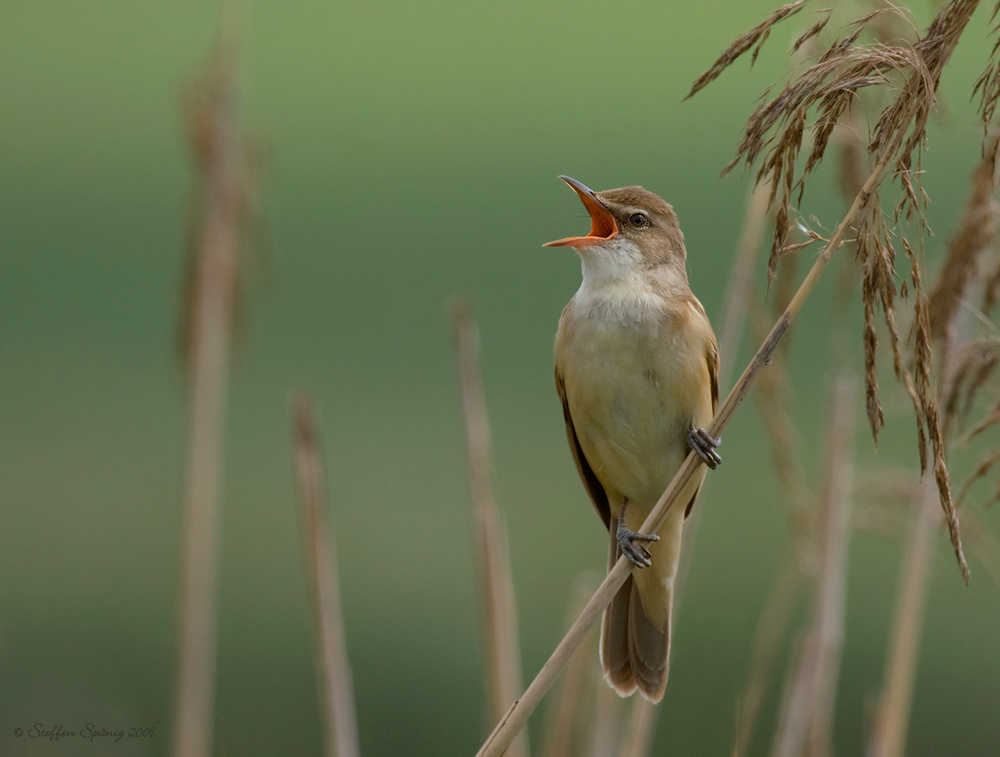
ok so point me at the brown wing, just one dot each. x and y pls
(712, 360)
(713, 373)
(597, 494)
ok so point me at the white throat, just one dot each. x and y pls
(617, 285)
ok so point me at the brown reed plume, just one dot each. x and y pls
(814, 101)
(337, 711)
(966, 362)
(221, 203)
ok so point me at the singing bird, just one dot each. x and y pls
(637, 371)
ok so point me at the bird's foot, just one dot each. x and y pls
(637, 554)
(704, 444)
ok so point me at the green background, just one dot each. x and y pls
(411, 154)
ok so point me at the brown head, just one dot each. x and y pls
(630, 220)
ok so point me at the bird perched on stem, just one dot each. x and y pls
(637, 371)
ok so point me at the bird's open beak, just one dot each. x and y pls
(602, 223)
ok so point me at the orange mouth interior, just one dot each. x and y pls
(602, 223)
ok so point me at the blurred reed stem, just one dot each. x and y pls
(771, 628)
(337, 710)
(892, 715)
(501, 644)
(805, 722)
(217, 143)
(564, 718)
(637, 733)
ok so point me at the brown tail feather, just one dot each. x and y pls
(648, 650)
(635, 653)
(615, 656)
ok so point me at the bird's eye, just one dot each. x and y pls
(638, 219)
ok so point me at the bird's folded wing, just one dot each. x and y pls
(597, 494)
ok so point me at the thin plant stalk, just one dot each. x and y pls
(337, 709)
(739, 294)
(739, 290)
(807, 711)
(738, 297)
(637, 738)
(519, 712)
(210, 316)
(605, 720)
(774, 620)
(501, 645)
(571, 698)
(892, 717)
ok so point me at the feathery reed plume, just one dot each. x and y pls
(989, 420)
(989, 458)
(807, 712)
(563, 720)
(773, 139)
(976, 234)
(501, 647)
(756, 36)
(217, 143)
(888, 737)
(886, 500)
(332, 664)
(975, 362)
(984, 545)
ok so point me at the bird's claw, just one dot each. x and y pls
(704, 444)
(637, 554)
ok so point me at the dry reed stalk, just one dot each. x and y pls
(807, 717)
(774, 619)
(772, 394)
(891, 720)
(637, 734)
(977, 233)
(984, 545)
(333, 667)
(563, 726)
(215, 133)
(605, 720)
(986, 462)
(501, 645)
(889, 725)
(989, 420)
(739, 292)
(516, 717)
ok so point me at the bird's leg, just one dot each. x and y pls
(704, 444)
(637, 554)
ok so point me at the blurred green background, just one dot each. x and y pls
(411, 154)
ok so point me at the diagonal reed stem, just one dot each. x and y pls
(519, 712)
(333, 666)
